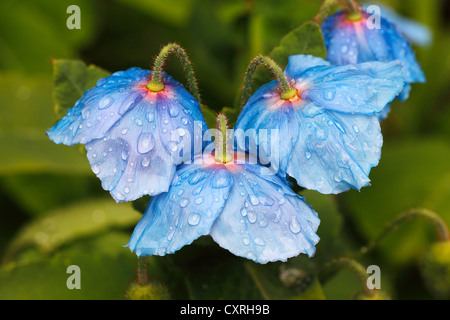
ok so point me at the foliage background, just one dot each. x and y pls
(54, 212)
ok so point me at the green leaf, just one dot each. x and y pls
(25, 116)
(32, 32)
(73, 222)
(172, 12)
(71, 78)
(106, 270)
(306, 39)
(411, 174)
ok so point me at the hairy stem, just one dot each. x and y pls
(155, 81)
(287, 90)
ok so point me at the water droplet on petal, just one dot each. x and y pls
(259, 241)
(194, 219)
(150, 116)
(124, 155)
(244, 212)
(251, 217)
(198, 200)
(126, 190)
(329, 95)
(246, 241)
(95, 169)
(173, 111)
(294, 226)
(184, 120)
(307, 155)
(105, 102)
(356, 129)
(124, 131)
(145, 162)
(146, 142)
(184, 202)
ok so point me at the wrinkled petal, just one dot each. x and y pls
(262, 123)
(299, 63)
(134, 138)
(263, 220)
(176, 218)
(414, 31)
(364, 88)
(336, 151)
(350, 42)
(100, 108)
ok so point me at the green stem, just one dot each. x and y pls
(155, 83)
(142, 274)
(222, 154)
(324, 11)
(437, 222)
(357, 268)
(287, 91)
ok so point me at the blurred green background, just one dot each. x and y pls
(54, 212)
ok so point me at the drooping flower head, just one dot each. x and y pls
(351, 40)
(328, 136)
(246, 209)
(417, 33)
(134, 136)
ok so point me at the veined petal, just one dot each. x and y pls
(299, 63)
(336, 151)
(100, 107)
(414, 31)
(135, 138)
(364, 88)
(178, 217)
(263, 220)
(267, 128)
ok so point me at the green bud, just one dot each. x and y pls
(436, 269)
(150, 291)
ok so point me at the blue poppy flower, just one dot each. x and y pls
(134, 137)
(328, 134)
(352, 42)
(416, 32)
(246, 208)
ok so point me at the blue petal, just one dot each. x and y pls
(263, 220)
(299, 63)
(364, 88)
(351, 43)
(336, 151)
(414, 31)
(175, 219)
(100, 108)
(136, 140)
(263, 121)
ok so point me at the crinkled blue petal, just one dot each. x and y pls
(351, 43)
(134, 139)
(335, 151)
(187, 211)
(414, 31)
(364, 88)
(384, 113)
(100, 108)
(263, 123)
(299, 63)
(264, 220)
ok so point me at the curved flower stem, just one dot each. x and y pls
(324, 11)
(155, 83)
(435, 219)
(352, 5)
(287, 90)
(142, 273)
(356, 267)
